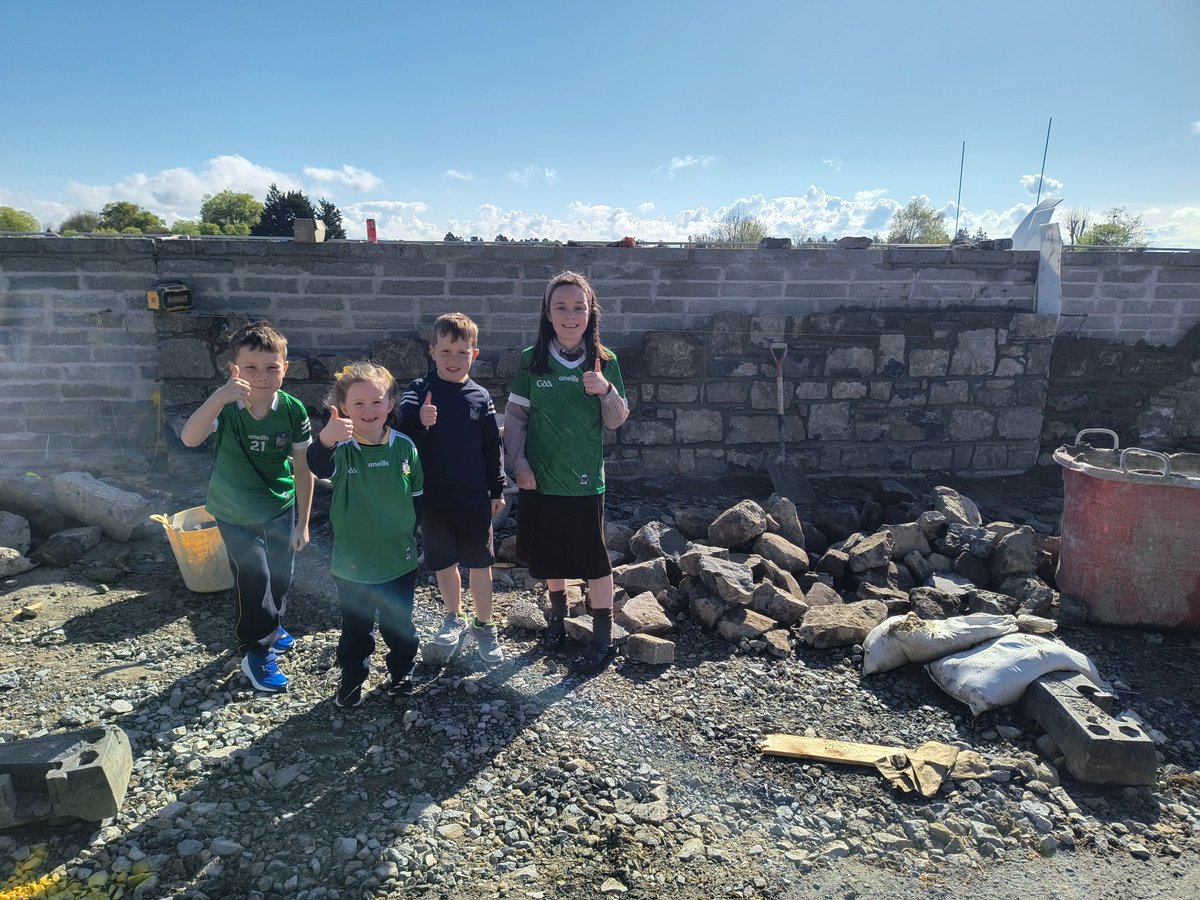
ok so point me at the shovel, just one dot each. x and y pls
(787, 475)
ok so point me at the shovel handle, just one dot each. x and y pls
(778, 359)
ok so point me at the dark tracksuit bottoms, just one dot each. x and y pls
(262, 560)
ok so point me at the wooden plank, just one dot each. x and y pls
(826, 749)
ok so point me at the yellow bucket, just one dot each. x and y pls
(198, 549)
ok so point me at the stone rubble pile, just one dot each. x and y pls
(761, 577)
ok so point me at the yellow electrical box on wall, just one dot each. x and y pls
(169, 296)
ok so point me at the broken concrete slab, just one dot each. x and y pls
(118, 513)
(1096, 747)
(75, 775)
(65, 547)
(32, 498)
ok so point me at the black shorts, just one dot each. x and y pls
(457, 536)
(562, 537)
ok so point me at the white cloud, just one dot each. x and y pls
(834, 162)
(1050, 186)
(178, 193)
(533, 173)
(459, 176)
(646, 207)
(679, 163)
(1196, 128)
(347, 176)
(395, 220)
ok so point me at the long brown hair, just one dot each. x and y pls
(594, 350)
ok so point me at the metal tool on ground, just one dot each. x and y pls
(787, 473)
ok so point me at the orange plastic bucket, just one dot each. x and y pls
(198, 550)
(1129, 526)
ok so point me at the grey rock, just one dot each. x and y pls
(907, 538)
(65, 547)
(1015, 554)
(932, 603)
(789, 526)
(981, 601)
(738, 526)
(841, 625)
(643, 615)
(732, 582)
(14, 532)
(116, 512)
(741, 624)
(654, 539)
(821, 594)
(872, 552)
(782, 552)
(955, 506)
(13, 563)
(525, 613)
(637, 578)
(784, 608)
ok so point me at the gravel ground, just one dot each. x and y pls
(526, 781)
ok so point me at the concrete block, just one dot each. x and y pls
(76, 775)
(116, 512)
(1096, 747)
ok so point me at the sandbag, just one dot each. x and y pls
(901, 640)
(997, 672)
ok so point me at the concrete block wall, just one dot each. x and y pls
(899, 358)
(1130, 296)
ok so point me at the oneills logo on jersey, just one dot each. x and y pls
(574, 378)
(379, 464)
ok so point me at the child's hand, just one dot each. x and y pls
(594, 383)
(428, 411)
(497, 505)
(337, 430)
(526, 481)
(299, 536)
(235, 388)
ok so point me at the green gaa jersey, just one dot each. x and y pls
(374, 522)
(252, 479)
(565, 440)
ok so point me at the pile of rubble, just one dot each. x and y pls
(760, 575)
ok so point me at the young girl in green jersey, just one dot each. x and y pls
(567, 390)
(375, 473)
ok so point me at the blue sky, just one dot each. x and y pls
(592, 121)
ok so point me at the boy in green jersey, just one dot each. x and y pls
(260, 492)
(375, 473)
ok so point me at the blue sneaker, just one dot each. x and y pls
(284, 642)
(263, 672)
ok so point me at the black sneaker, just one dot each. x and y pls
(349, 693)
(402, 688)
(594, 658)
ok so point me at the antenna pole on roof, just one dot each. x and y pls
(1044, 152)
(958, 202)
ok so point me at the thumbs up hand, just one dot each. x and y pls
(336, 430)
(428, 411)
(594, 383)
(235, 388)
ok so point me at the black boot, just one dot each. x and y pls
(555, 634)
(599, 650)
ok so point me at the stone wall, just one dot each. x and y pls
(899, 359)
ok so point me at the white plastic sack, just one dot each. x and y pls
(901, 640)
(996, 673)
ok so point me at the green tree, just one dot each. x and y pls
(1120, 230)
(185, 226)
(332, 217)
(735, 228)
(230, 208)
(451, 236)
(17, 220)
(918, 223)
(130, 218)
(214, 228)
(280, 210)
(82, 222)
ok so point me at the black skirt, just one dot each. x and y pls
(562, 537)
